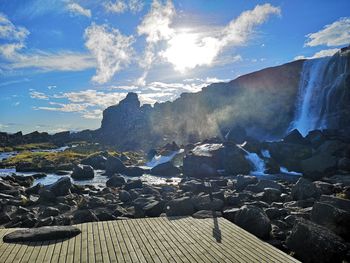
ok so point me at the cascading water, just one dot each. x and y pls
(255, 160)
(321, 87)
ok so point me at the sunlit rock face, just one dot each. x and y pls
(265, 103)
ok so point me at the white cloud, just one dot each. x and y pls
(38, 95)
(18, 57)
(335, 34)
(77, 9)
(112, 50)
(320, 54)
(115, 7)
(189, 49)
(70, 107)
(9, 31)
(135, 5)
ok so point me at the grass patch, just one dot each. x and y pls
(28, 146)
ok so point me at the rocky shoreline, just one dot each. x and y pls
(307, 216)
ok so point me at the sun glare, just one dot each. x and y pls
(187, 50)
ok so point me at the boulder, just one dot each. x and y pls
(61, 187)
(203, 161)
(337, 220)
(344, 164)
(254, 220)
(42, 234)
(50, 211)
(235, 161)
(237, 135)
(324, 188)
(114, 165)
(132, 184)
(96, 160)
(165, 169)
(318, 166)
(134, 171)
(262, 184)
(295, 137)
(115, 181)
(83, 216)
(339, 203)
(230, 214)
(315, 138)
(304, 189)
(202, 214)
(83, 172)
(271, 195)
(154, 208)
(204, 202)
(124, 196)
(274, 213)
(244, 180)
(4, 186)
(314, 243)
(180, 207)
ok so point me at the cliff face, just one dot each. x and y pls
(263, 102)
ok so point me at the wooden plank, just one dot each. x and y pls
(139, 241)
(42, 252)
(133, 241)
(121, 242)
(125, 241)
(91, 246)
(191, 243)
(63, 254)
(116, 246)
(104, 250)
(97, 244)
(30, 249)
(50, 250)
(84, 244)
(109, 245)
(77, 247)
(70, 250)
(57, 251)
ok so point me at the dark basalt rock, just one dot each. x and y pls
(165, 169)
(115, 181)
(114, 165)
(42, 234)
(83, 172)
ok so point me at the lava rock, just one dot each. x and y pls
(304, 189)
(83, 172)
(165, 169)
(114, 165)
(115, 181)
(180, 207)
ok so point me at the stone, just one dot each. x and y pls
(204, 202)
(262, 184)
(304, 189)
(46, 196)
(271, 195)
(50, 211)
(236, 134)
(124, 196)
(331, 217)
(318, 166)
(5, 186)
(202, 214)
(166, 169)
(134, 171)
(61, 187)
(42, 234)
(254, 220)
(132, 184)
(115, 181)
(230, 214)
(83, 216)
(114, 165)
(245, 180)
(180, 207)
(339, 203)
(96, 160)
(324, 188)
(274, 213)
(295, 137)
(83, 172)
(154, 208)
(34, 189)
(344, 164)
(314, 243)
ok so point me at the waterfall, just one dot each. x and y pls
(321, 85)
(255, 160)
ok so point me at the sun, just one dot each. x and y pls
(187, 50)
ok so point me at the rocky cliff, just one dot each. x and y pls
(262, 102)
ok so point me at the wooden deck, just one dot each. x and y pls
(149, 240)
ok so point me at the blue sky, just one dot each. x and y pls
(63, 61)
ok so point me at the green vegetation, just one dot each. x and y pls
(27, 147)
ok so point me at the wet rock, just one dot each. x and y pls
(97, 161)
(245, 180)
(230, 214)
(274, 213)
(42, 234)
(154, 208)
(295, 137)
(132, 184)
(61, 187)
(134, 171)
(46, 196)
(339, 203)
(48, 221)
(304, 189)
(180, 207)
(34, 189)
(324, 188)
(83, 172)
(114, 165)
(205, 203)
(314, 243)
(202, 214)
(124, 196)
(83, 216)
(254, 220)
(50, 211)
(39, 176)
(318, 166)
(271, 195)
(165, 169)
(262, 184)
(115, 181)
(337, 220)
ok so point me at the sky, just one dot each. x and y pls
(62, 62)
